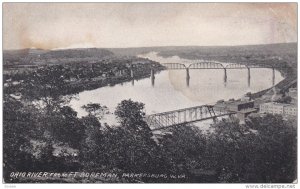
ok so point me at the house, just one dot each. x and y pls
(278, 108)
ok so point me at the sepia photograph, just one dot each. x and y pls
(136, 92)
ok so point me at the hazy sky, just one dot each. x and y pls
(72, 25)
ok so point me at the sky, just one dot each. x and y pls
(111, 25)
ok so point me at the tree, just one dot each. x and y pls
(130, 115)
(137, 150)
(95, 109)
(91, 146)
(263, 150)
(183, 147)
(224, 149)
(16, 128)
(47, 84)
(276, 148)
(63, 126)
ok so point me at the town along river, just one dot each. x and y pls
(170, 89)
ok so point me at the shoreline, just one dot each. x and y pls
(112, 81)
(288, 78)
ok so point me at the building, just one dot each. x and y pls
(240, 105)
(271, 107)
(293, 94)
(241, 108)
(278, 108)
(235, 105)
(290, 110)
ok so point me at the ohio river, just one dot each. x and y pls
(170, 90)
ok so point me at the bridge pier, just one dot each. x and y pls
(249, 77)
(188, 77)
(187, 73)
(215, 120)
(241, 117)
(273, 76)
(225, 75)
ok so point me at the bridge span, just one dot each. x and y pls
(225, 67)
(182, 116)
(215, 65)
(210, 65)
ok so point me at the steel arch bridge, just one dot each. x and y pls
(206, 65)
(236, 66)
(243, 66)
(182, 116)
(174, 66)
(214, 65)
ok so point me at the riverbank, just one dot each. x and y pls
(109, 81)
(289, 77)
(67, 79)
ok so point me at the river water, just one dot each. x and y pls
(170, 90)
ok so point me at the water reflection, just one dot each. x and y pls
(152, 77)
(273, 77)
(174, 90)
(153, 81)
(188, 77)
(249, 78)
(187, 81)
(225, 78)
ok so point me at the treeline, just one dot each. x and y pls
(262, 151)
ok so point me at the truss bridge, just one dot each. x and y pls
(182, 116)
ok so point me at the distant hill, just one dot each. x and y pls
(246, 53)
(40, 56)
(279, 48)
(279, 54)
